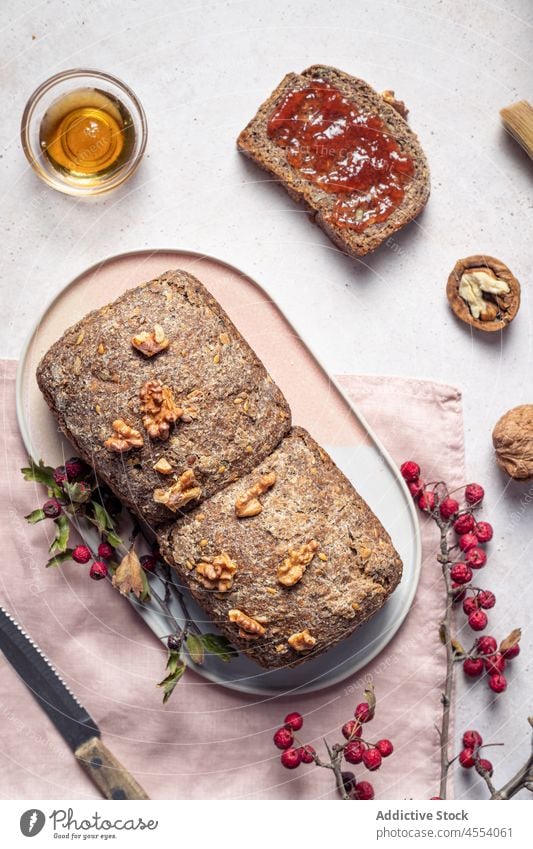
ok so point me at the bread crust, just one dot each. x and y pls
(349, 578)
(255, 143)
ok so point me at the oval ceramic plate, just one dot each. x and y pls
(317, 403)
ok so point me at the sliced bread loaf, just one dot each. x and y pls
(382, 157)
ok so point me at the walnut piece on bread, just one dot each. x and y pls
(182, 491)
(302, 641)
(248, 504)
(124, 437)
(294, 565)
(159, 409)
(249, 629)
(217, 573)
(151, 342)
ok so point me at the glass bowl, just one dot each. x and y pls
(68, 87)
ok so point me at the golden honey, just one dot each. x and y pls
(87, 135)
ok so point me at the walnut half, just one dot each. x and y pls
(159, 409)
(248, 503)
(483, 292)
(302, 641)
(217, 573)
(124, 437)
(249, 629)
(185, 489)
(512, 438)
(293, 567)
(151, 342)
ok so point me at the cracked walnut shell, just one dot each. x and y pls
(248, 504)
(124, 437)
(302, 641)
(217, 573)
(185, 489)
(151, 342)
(512, 438)
(159, 409)
(293, 567)
(249, 629)
(483, 292)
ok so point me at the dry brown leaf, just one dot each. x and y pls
(129, 576)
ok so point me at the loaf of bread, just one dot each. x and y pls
(203, 407)
(289, 559)
(163, 397)
(372, 178)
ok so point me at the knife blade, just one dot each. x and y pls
(70, 718)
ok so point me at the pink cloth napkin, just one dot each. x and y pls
(209, 742)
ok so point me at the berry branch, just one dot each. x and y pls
(355, 750)
(76, 499)
(460, 553)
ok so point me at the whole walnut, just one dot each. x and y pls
(512, 438)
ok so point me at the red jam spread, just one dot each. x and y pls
(345, 151)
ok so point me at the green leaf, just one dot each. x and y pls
(35, 516)
(195, 648)
(219, 646)
(175, 669)
(58, 559)
(105, 524)
(113, 539)
(59, 544)
(39, 473)
(77, 493)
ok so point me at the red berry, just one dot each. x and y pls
(60, 475)
(307, 754)
(474, 493)
(472, 739)
(372, 759)
(283, 738)
(459, 593)
(385, 748)
(485, 765)
(476, 557)
(105, 550)
(486, 644)
(495, 664)
(291, 758)
(461, 573)
(467, 541)
(469, 605)
(363, 791)
(294, 720)
(466, 758)
(508, 654)
(362, 712)
(484, 531)
(486, 599)
(416, 487)
(52, 508)
(448, 508)
(98, 570)
(410, 470)
(81, 554)
(464, 524)
(351, 729)
(435, 797)
(75, 468)
(426, 501)
(354, 751)
(473, 666)
(478, 620)
(149, 562)
(498, 683)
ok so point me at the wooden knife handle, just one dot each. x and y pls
(108, 774)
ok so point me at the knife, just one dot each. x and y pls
(77, 728)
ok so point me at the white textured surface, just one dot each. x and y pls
(200, 70)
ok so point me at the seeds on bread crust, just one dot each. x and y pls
(483, 292)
